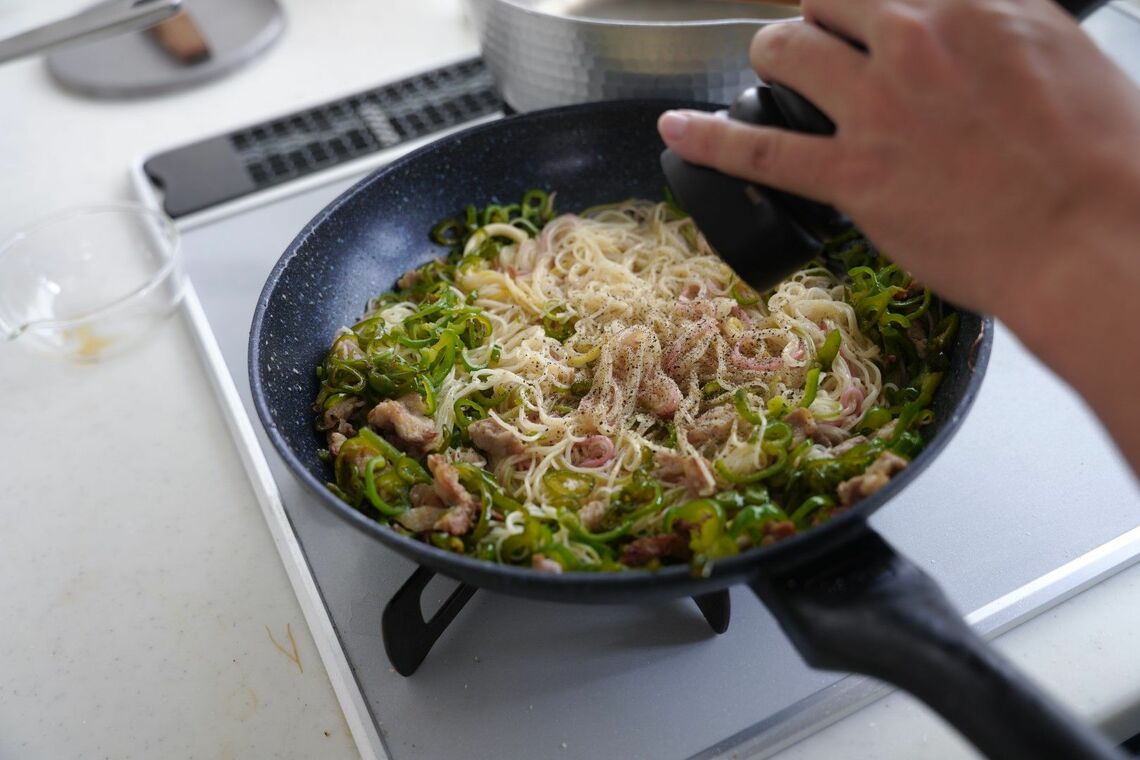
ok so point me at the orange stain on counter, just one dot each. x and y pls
(291, 652)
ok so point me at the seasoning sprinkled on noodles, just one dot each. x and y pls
(600, 391)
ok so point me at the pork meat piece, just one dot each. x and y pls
(410, 279)
(877, 475)
(462, 507)
(421, 519)
(469, 456)
(713, 425)
(656, 391)
(593, 451)
(405, 418)
(338, 417)
(803, 426)
(802, 423)
(494, 439)
(777, 530)
(847, 445)
(647, 548)
(592, 515)
(544, 564)
(348, 348)
(687, 471)
(423, 495)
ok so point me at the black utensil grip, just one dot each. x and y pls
(867, 609)
(1081, 8)
(799, 113)
(407, 636)
(740, 220)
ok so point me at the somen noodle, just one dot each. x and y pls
(599, 391)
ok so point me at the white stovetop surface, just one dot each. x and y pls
(145, 610)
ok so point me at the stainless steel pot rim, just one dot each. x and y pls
(626, 24)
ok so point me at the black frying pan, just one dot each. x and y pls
(841, 593)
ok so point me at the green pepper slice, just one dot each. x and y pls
(568, 484)
(810, 506)
(829, 350)
(750, 521)
(812, 387)
(370, 488)
(740, 399)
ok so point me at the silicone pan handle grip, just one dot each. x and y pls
(865, 608)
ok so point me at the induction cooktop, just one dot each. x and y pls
(991, 520)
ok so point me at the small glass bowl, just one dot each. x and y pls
(87, 283)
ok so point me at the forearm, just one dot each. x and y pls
(1080, 312)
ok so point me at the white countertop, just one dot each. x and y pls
(146, 612)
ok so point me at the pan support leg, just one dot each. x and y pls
(407, 636)
(717, 608)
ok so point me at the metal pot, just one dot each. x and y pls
(546, 53)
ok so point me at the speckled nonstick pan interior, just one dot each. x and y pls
(846, 599)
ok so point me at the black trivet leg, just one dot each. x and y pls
(407, 636)
(717, 608)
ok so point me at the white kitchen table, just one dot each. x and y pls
(144, 611)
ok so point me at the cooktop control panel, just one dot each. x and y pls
(226, 167)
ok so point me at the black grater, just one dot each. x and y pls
(206, 173)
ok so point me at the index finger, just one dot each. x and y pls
(792, 161)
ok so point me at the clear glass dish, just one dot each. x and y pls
(89, 282)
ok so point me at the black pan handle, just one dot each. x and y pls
(865, 608)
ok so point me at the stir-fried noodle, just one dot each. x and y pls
(600, 390)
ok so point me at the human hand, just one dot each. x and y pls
(979, 143)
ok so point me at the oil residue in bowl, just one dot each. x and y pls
(85, 343)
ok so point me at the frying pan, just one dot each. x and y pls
(846, 599)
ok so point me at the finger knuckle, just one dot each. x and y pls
(771, 42)
(809, 8)
(763, 154)
(907, 37)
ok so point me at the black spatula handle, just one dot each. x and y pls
(1081, 8)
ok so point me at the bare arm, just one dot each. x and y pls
(986, 145)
